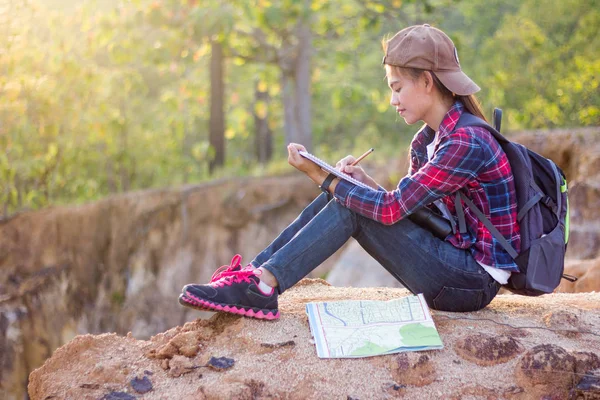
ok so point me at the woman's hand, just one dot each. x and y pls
(345, 165)
(299, 162)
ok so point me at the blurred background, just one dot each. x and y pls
(108, 96)
(142, 142)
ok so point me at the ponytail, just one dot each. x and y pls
(472, 105)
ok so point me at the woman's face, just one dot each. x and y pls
(410, 97)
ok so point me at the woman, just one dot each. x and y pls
(462, 272)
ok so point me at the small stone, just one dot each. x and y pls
(277, 345)
(117, 396)
(221, 363)
(590, 384)
(142, 385)
(514, 390)
(164, 364)
(146, 372)
(89, 386)
(394, 389)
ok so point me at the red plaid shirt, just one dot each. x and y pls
(469, 159)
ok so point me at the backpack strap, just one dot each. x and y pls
(493, 230)
(539, 195)
(462, 225)
(467, 119)
(497, 119)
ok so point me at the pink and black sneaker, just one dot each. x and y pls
(234, 292)
(235, 265)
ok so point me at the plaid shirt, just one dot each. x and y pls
(468, 159)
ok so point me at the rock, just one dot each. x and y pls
(118, 396)
(114, 265)
(179, 365)
(141, 385)
(563, 322)
(587, 389)
(546, 370)
(285, 371)
(185, 344)
(485, 350)
(586, 362)
(220, 363)
(414, 369)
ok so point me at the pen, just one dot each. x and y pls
(359, 159)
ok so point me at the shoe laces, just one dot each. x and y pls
(235, 264)
(230, 277)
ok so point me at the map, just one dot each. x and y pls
(359, 328)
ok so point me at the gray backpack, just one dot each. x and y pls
(543, 214)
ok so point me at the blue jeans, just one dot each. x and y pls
(449, 278)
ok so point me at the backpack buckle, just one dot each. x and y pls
(547, 200)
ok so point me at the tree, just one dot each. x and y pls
(217, 101)
(544, 66)
(263, 132)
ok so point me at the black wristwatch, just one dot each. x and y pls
(325, 185)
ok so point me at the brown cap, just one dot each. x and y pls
(428, 48)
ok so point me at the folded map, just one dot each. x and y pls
(364, 328)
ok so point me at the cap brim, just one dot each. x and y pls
(458, 82)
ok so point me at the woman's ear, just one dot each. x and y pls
(427, 80)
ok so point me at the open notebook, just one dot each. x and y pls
(332, 170)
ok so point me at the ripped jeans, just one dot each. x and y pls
(449, 278)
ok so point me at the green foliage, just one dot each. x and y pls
(539, 61)
(101, 97)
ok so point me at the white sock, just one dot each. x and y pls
(265, 288)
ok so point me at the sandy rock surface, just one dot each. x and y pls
(516, 348)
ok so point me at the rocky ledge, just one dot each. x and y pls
(516, 348)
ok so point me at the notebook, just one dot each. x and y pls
(332, 170)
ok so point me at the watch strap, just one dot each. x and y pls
(325, 185)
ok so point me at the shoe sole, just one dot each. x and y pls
(189, 300)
